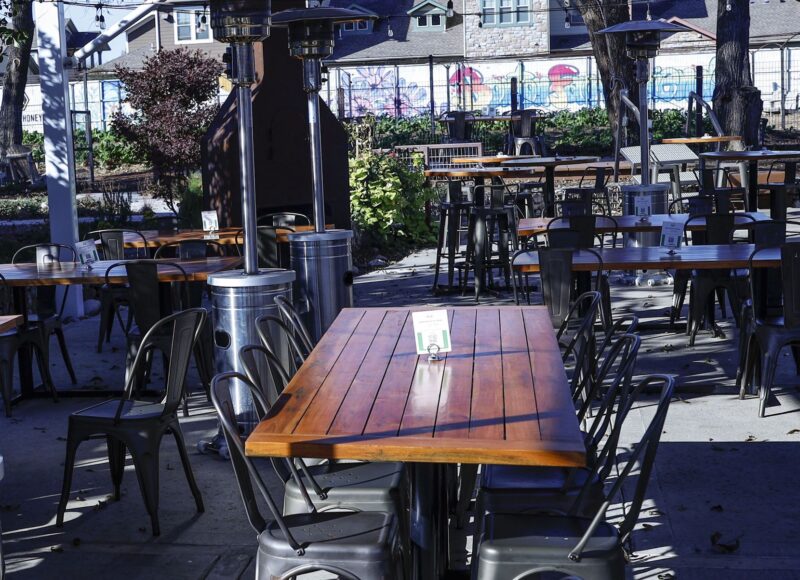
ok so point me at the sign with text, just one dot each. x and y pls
(431, 332)
(87, 252)
(210, 221)
(671, 234)
(643, 206)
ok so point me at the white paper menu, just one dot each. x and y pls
(210, 223)
(87, 252)
(671, 234)
(643, 206)
(431, 332)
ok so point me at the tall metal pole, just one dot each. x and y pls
(642, 75)
(433, 102)
(243, 53)
(311, 76)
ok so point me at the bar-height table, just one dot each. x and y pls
(225, 236)
(501, 396)
(752, 158)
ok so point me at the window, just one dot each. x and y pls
(422, 21)
(436, 20)
(505, 12)
(359, 26)
(431, 22)
(189, 26)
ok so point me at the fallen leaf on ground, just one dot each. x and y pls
(723, 547)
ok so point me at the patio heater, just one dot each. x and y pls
(321, 259)
(642, 41)
(238, 297)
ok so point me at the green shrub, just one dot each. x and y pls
(111, 150)
(387, 203)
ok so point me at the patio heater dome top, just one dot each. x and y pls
(311, 29)
(240, 20)
(643, 37)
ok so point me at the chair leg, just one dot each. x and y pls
(768, 374)
(145, 460)
(116, 463)
(466, 487)
(187, 468)
(62, 344)
(105, 309)
(69, 464)
(745, 356)
(42, 360)
(7, 381)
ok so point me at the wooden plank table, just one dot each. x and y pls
(67, 273)
(500, 396)
(701, 140)
(656, 258)
(10, 322)
(226, 236)
(629, 223)
(21, 276)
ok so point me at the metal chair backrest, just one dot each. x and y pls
(555, 265)
(523, 122)
(718, 228)
(580, 232)
(459, 125)
(601, 176)
(253, 356)
(112, 242)
(243, 467)
(267, 245)
(148, 299)
(284, 219)
(6, 297)
(271, 329)
(44, 255)
(293, 320)
(697, 205)
(643, 453)
(581, 343)
(790, 270)
(189, 250)
(183, 328)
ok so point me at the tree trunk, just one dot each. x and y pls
(19, 56)
(737, 102)
(609, 52)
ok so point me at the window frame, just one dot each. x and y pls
(493, 12)
(194, 13)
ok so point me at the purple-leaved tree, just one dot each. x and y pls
(171, 101)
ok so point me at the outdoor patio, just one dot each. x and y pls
(717, 506)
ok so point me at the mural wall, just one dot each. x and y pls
(545, 84)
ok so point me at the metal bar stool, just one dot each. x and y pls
(452, 213)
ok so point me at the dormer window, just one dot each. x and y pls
(362, 26)
(429, 16)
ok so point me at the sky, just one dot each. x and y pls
(84, 20)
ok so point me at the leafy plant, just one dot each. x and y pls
(387, 203)
(173, 101)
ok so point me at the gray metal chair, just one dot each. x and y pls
(292, 318)
(48, 313)
(283, 219)
(137, 425)
(112, 247)
(518, 545)
(11, 342)
(271, 254)
(352, 545)
(772, 332)
(271, 329)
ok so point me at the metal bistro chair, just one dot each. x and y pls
(151, 301)
(459, 126)
(112, 247)
(138, 426)
(270, 253)
(47, 314)
(12, 341)
(292, 318)
(772, 332)
(519, 489)
(351, 545)
(284, 219)
(523, 545)
(781, 193)
(270, 330)
(722, 195)
(596, 195)
(453, 211)
(523, 125)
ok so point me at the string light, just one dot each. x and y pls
(566, 19)
(649, 16)
(449, 12)
(728, 6)
(99, 19)
(389, 31)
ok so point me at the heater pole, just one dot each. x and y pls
(642, 76)
(243, 53)
(311, 84)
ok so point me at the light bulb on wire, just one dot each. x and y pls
(449, 12)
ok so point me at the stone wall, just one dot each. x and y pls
(508, 41)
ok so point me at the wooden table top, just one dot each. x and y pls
(490, 159)
(656, 258)
(553, 161)
(69, 273)
(489, 118)
(765, 155)
(227, 236)
(481, 172)
(706, 139)
(629, 223)
(501, 396)
(10, 322)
